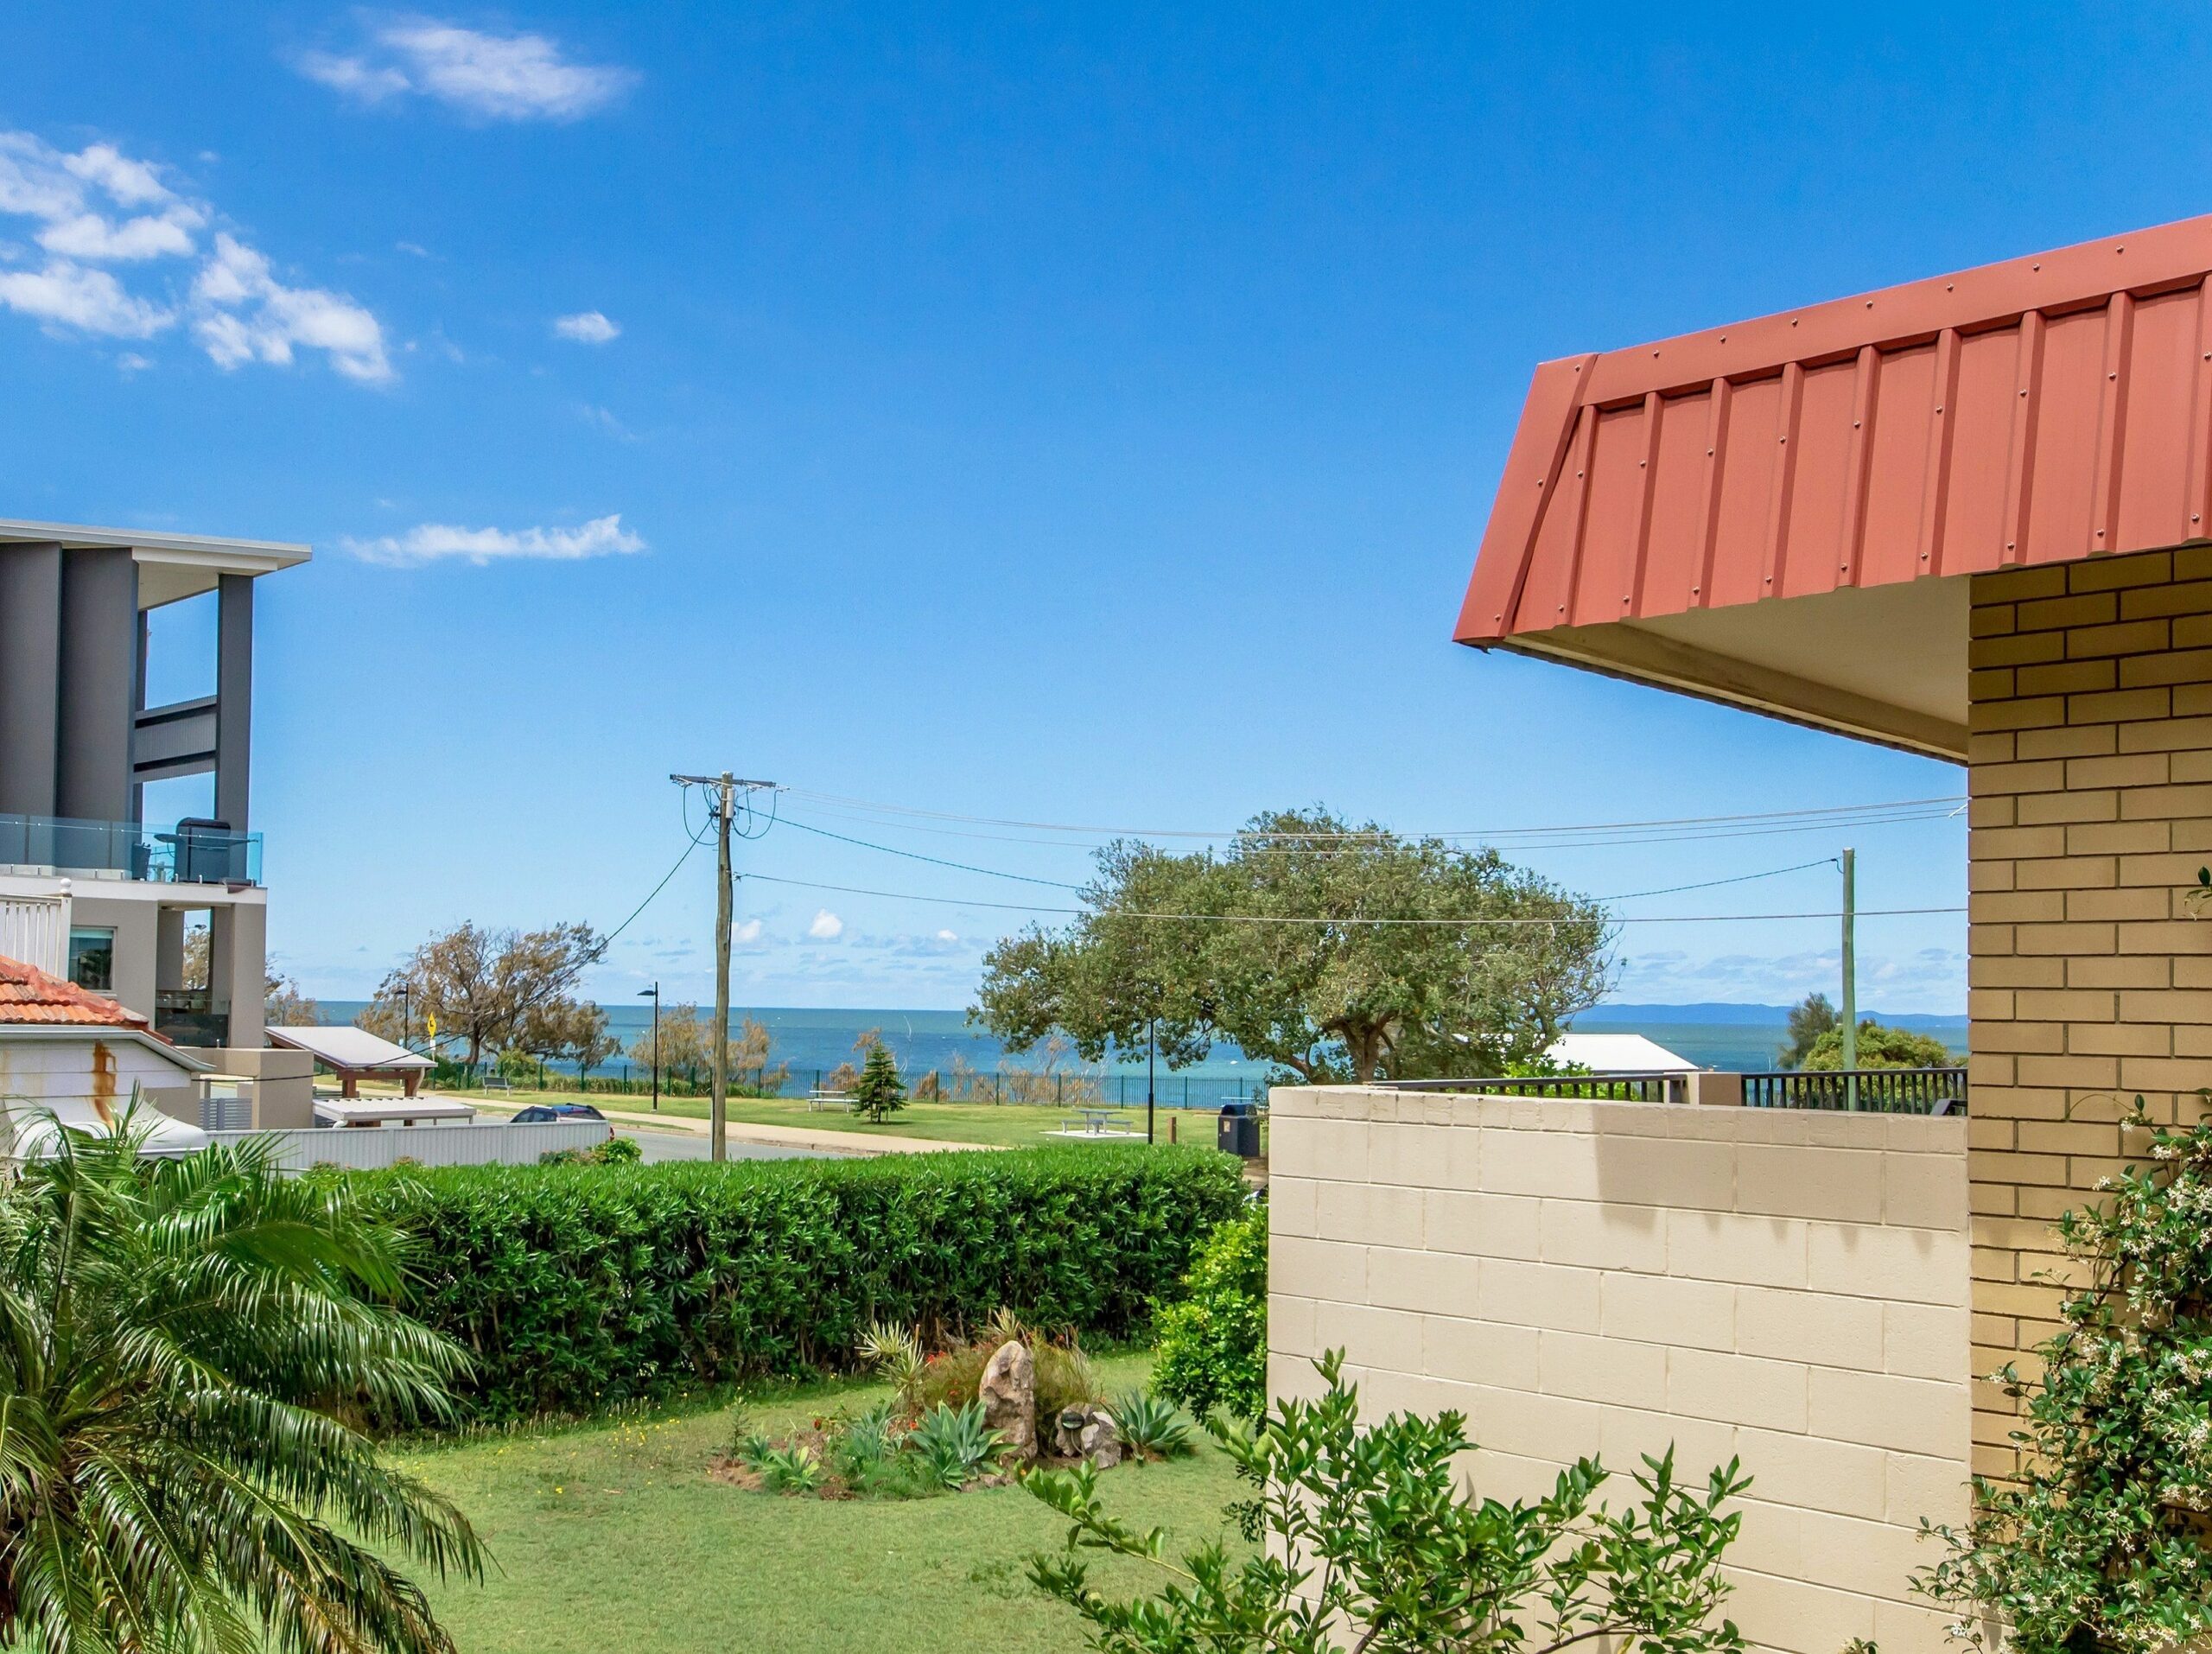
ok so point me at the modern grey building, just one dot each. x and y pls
(78, 746)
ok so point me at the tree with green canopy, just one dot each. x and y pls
(184, 1345)
(1809, 1017)
(878, 1092)
(1335, 951)
(1880, 1047)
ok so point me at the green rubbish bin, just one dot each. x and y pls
(1238, 1132)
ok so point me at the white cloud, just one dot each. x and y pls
(353, 76)
(827, 926)
(746, 933)
(64, 294)
(517, 77)
(947, 936)
(249, 316)
(100, 206)
(90, 235)
(587, 328)
(131, 183)
(430, 542)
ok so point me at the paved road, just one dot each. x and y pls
(687, 1145)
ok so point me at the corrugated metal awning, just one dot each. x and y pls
(2046, 409)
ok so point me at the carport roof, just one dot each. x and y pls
(1854, 456)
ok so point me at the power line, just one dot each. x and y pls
(937, 861)
(1315, 918)
(648, 901)
(1246, 848)
(1708, 884)
(1841, 814)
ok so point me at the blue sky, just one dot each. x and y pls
(1061, 415)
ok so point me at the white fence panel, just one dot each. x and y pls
(365, 1147)
(34, 929)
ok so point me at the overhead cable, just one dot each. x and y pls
(1323, 919)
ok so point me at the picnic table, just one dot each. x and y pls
(819, 1101)
(1093, 1121)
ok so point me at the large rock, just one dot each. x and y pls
(1008, 1391)
(1088, 1431)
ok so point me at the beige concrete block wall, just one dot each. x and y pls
(1787, 1287)
(2090, 773)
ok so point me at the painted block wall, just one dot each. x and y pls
(1787, 1287)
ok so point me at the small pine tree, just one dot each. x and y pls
(878, 1092)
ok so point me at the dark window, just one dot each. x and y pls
(91, 958)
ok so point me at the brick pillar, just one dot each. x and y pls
(2090, 770)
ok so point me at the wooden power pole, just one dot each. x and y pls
(725, 787)
(718, 1113)
(1850, 1055)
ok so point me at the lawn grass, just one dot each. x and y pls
(614, 1536)
(1010, 1125)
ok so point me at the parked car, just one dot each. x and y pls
(538, 1114)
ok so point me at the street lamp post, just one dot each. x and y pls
(1151, 1059)
(406, 1014)
(653, 993)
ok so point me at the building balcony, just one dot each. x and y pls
(191, 851)
(193, 1016)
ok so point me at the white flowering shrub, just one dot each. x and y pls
(2101, 1541)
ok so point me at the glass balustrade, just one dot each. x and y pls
(190, 851)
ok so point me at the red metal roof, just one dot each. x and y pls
(28, 994)
(2045, 408)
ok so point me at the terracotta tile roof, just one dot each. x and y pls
(28, 994)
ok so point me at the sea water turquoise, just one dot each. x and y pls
(814, 1042)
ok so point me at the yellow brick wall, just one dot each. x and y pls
(1783, 1286)
(2089, 769)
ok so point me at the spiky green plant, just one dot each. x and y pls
(955, 1446)
(182, 1344)
(790, 1468)
(895, 1354)
(1151, 1426)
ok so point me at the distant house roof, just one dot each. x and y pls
(342, 1046)
(28, 994)
(1618, 1054)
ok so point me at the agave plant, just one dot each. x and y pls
(790, 1468)
(955, 1446)
(1149, 1425)
(182, 1342)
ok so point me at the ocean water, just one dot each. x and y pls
(814, 1042)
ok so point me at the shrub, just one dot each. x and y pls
(1373, 1528)
(1064, 1375)
(2099, 1541)
(615, 1151)
(575, 1287)
(1213, 1343)
(1879, 1045)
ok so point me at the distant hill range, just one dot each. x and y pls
(1727, 1014)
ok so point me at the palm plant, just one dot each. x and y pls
(182, 1344)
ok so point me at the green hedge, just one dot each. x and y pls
(578, 1286)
